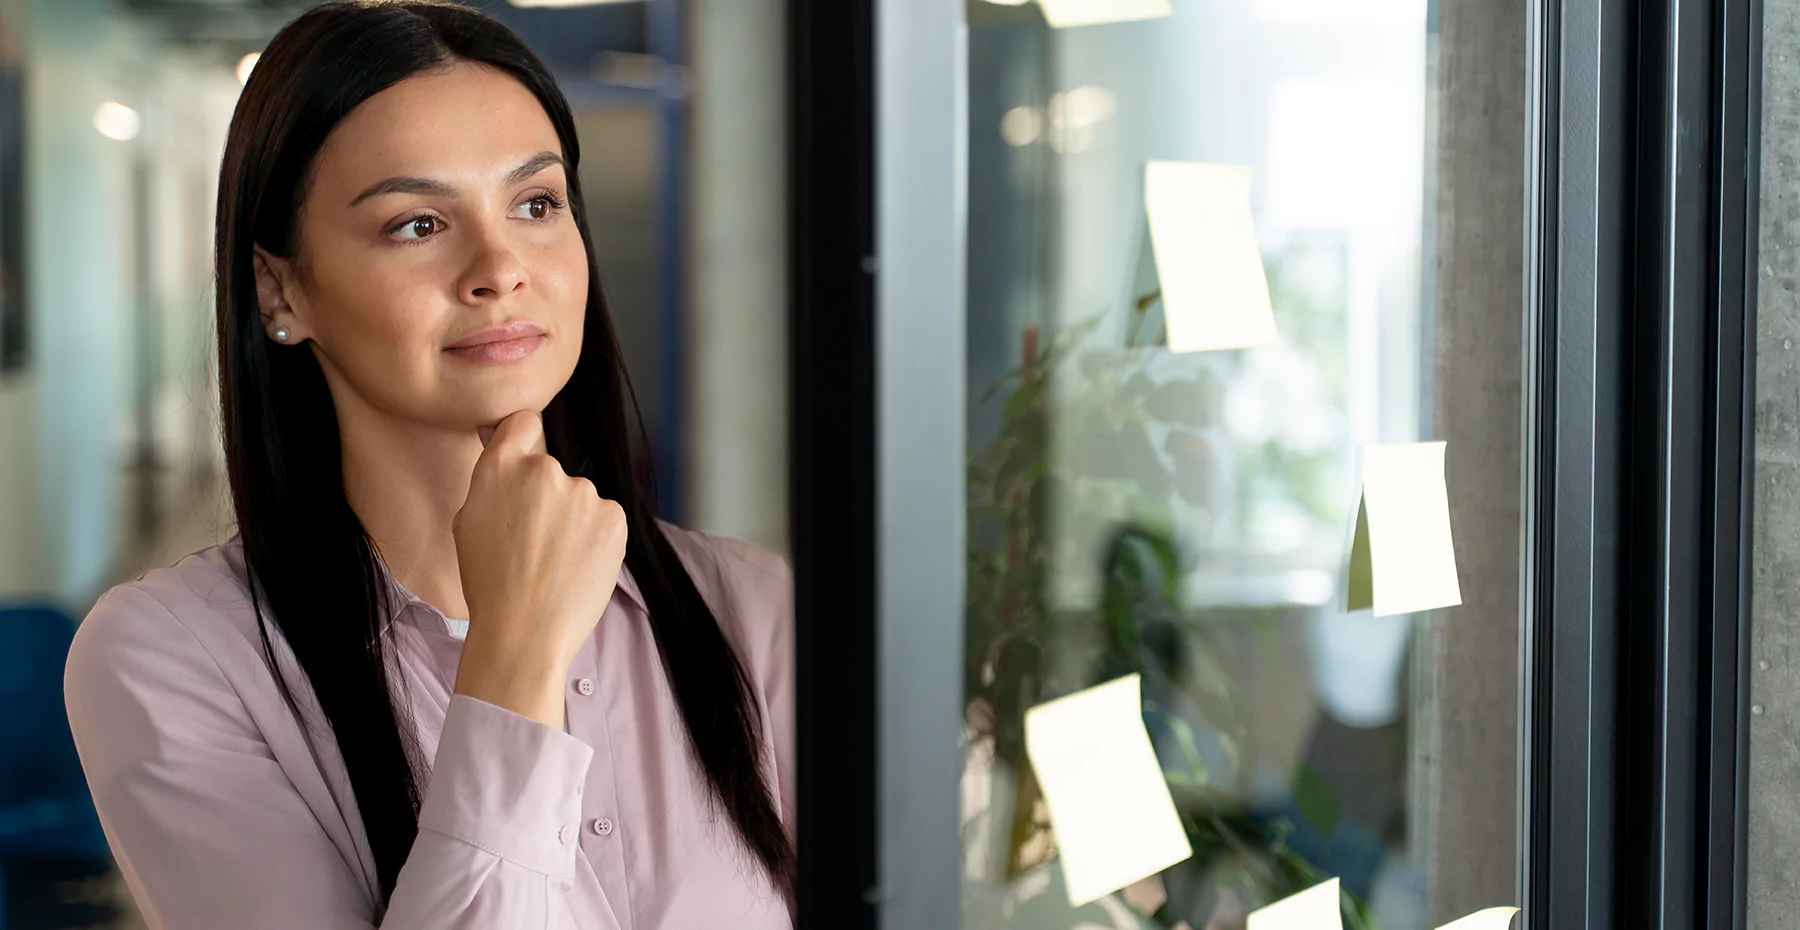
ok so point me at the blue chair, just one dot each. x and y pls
(48, 828)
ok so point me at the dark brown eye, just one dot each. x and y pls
(417, 228)
(540, 208)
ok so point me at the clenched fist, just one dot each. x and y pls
(539, 554)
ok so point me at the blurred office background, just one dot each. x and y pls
(112, 122)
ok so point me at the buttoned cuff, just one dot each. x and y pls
(508, 784)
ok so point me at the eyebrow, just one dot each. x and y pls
(431, 187)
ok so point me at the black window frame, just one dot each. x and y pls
(832, 397)
(1643, 203)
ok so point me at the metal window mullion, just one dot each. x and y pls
(1581, 203)
(1727, 669)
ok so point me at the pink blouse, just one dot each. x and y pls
(225, 811)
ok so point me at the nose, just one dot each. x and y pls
(494, 271)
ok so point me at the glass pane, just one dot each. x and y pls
(1167, 467)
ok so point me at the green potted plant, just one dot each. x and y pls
(1163, 455)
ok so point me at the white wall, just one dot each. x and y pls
(77, 219)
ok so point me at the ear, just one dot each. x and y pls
(275, 290)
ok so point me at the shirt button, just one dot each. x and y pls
(565, 834)
(603, 826)
(585, 686)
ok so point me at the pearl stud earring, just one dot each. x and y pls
(281, 334)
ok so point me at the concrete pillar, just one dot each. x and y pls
(1466, 742)
(1774, 802)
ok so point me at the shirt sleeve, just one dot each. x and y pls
(212, 834)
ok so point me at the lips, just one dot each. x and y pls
(507, 333)
(498, 345)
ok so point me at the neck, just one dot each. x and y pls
(406, 481)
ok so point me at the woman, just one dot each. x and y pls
(451, 672)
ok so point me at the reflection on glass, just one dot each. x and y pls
(1199, 282)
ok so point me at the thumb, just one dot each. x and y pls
(520, 433)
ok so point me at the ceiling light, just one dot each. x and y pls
(245, 65)
(1021, 126)
(116, 121)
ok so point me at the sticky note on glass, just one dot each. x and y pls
(1109, 805)
(1402, 557)
(1316, 908)
(1494, 918)
(1062, 14)
(1214, 292)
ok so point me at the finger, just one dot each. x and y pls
(521, 434)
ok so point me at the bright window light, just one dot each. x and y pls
(1344, 154)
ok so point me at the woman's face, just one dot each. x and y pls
(441, 279)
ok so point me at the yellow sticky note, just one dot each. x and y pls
(1494, 918)
(1403, 558)
(1061, 14)
(1109, 805)
(1316, 908)
(1214, 292)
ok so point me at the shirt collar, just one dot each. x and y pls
(400, 598)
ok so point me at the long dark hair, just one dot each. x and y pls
(309, 559)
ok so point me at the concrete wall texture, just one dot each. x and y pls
(1774, 803)
(1469, 736)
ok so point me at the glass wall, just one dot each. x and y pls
(1244, 316)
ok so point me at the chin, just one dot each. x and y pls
(501, 397)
